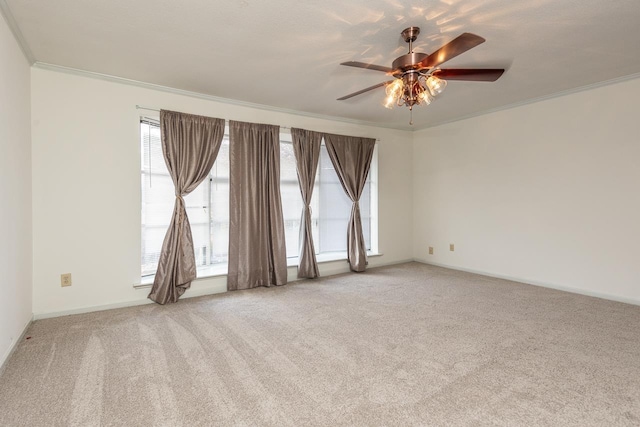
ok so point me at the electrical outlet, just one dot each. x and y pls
(430, 250)
(451, 247)
(65, 279)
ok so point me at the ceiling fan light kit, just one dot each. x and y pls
(413, 89)
(418, 80)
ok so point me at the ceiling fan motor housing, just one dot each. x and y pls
(410, 61)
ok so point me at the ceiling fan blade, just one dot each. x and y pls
(455, 47)
(473, 75)
(351, 95)
(367, 66)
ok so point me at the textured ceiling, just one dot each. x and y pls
(285, 53)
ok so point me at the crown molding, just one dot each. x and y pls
(539, 99)
(6, 13)
(137, 83)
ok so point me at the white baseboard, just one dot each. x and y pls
(14, 345)
(327, 269)
(342, 266)
(573, 290)
(191, 293)
(386, 264)
(80, 310)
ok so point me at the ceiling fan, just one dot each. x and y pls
(417, 77)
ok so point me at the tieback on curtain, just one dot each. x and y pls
(190, 145)
(351, 158)
(182, 213)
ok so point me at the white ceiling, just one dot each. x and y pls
(286, 53)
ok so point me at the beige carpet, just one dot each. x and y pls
(404, 345)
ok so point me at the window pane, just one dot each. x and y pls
(335, 209)
(291, 198)
(197, 206)
(219, 215)
(207, 206)
(157, 197)
(365, 213)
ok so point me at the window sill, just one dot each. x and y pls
(221, 270)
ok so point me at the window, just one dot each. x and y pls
(335, 208)
(330, 205)
(291, 197)
(208, 205)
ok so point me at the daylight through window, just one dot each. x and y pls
(208, 205)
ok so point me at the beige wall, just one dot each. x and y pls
(86, 187)
(15, 192)
(547, 193)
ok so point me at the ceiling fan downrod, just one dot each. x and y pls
(410, 35)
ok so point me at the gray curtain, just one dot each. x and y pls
(257, 255)
(306, 147)
(190, 145)
(351, 157)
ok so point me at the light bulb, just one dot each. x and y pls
(389, 101)
(393, 91)
(436, 85)
(425, 97)
(394, 88)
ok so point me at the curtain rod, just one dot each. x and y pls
(140, 107)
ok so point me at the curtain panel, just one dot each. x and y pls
(306, 147)
(257, 255)
(190, 145)
(351, 157)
